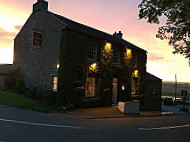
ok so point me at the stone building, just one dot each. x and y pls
(153, 90)
(37, 53)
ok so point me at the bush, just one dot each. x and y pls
(36, 93)
(9, 83)
(20, 86)
(49, 98)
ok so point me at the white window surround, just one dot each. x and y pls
(55, 83)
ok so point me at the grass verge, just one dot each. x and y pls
(19, 100)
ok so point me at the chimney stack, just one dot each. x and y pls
(39, 5)
(118, 35)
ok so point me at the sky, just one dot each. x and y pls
(105, 15)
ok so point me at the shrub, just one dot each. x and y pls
(49, 98)
(9, 83)
(20, 85)
(36, 93)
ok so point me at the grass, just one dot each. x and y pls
(168, 89)
(19, 100)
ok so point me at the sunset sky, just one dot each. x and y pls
(105, 15)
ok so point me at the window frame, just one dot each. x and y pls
(54, 83)
(92, 87)
(117, 57)
(92, 52)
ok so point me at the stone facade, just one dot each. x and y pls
(38, 63)
(153, 88)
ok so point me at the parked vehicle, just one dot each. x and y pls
(168, 101)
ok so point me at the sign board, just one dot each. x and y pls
(37, 39)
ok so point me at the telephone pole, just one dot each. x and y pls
(175, 86)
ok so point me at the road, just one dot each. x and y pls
(18, 125)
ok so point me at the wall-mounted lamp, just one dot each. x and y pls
(58, 66)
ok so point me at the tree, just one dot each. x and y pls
(177, 28)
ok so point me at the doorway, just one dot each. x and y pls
(114, 90)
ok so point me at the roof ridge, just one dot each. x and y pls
(94, 32)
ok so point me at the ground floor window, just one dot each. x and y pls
(55, 82)
(90, 87)
(133, 86)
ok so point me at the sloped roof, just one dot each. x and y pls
(152, 77)
(95, 33)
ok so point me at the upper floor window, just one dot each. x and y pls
(92, 52)
(37, 39)
(116, 58)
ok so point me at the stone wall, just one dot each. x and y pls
(153, 95)
(38, 64)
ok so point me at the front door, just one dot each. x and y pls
(114, 90)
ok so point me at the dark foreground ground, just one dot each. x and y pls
(18, 125)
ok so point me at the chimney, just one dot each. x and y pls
(39, 5)
(118, 35)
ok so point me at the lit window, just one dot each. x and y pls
(116, 58)
(90, 87)
(37, 39)
(128, 53)
(55, 82)
(92, 52)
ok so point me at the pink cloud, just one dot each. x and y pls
(155, 57)
(6, 36)
(18, 27)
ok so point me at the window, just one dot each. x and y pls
(55, 82)
(37, 39)
(116, 58)
(92, 52)
(134, 61)
(90, 87)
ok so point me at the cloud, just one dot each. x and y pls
(6, 34)
(6, 38)
(155, 57)
(18, 27)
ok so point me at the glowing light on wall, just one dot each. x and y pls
(93, 67)
(136, 74)
(58, 66)
(108, 47)
(128, 53)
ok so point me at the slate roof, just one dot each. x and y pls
(94, 32)
(152, 77)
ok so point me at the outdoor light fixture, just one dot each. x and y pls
(108, 46)
(136, 73)
(123, 87)
(128, 53)
(93, 67)
(58, 66)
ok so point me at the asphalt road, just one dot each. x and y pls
(18, 125)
